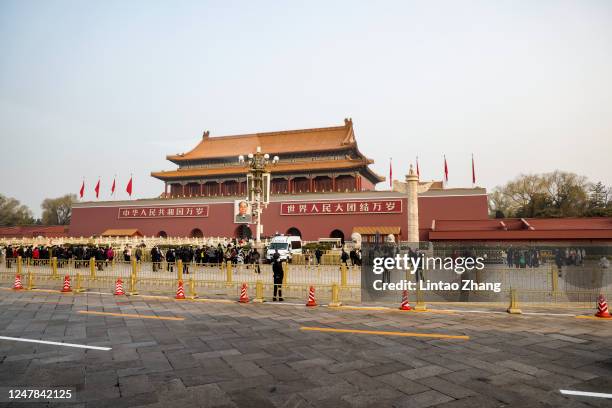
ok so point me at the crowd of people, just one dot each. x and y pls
(523, 257)
(570, 256)
(236, 252)
(39, 254)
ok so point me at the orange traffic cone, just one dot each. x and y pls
(405, 305)
(602, 308)
(244, 296)
(66, 287)
(180, 292)
(17, 285)
(119, 287)
(311, 297)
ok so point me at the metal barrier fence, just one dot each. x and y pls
(163, 276)
(545, 274)
(546, 283)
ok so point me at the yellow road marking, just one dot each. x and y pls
(594, 318)
(438, 311)
(388, 309)
(130, 315)
(384, 333)
(151, 297)
(213, 300)
(363, 308)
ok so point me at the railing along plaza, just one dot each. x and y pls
(544, 284)
(164, 276)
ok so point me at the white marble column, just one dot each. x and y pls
(412, 188)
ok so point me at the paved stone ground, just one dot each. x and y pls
(255, 355)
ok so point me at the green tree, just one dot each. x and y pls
(12, 212)
(57, 211)
(600, 201)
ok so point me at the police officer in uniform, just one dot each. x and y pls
(277, 270)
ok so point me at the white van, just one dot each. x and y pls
(287, 246)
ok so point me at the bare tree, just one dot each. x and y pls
(567, 193)
(57, 211)
(556, 194)
(12, 212)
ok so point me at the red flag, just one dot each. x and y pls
(82, 190)
(391, 172)
(97, 189)
(418, 171)
(445, 170)
(129, 187)
(473, 171)
(113, 187)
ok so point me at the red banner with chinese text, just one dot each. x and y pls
(391, 206)
(175, 211)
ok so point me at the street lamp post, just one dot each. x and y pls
(257, 165)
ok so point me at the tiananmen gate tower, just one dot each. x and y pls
(321, 187)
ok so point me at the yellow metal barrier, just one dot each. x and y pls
(554, 276)
(343, 275)
(78, 288)
(259, 292)
(193, 294)
(335, 302)
(420, 304)
(179, 269)
(30, 285)
(285, 266)
(19, 265)
(133, 281)
(514, 308)
(229, 276)
(92, 268)
(54, 273)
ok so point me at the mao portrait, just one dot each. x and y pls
(242, 212)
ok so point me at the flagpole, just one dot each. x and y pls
(445, 177)
(391, 172)
(82, 190)
(473, 173)
(113, 186)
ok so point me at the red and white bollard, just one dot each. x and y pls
(311, 297)
(180, 291)
(244, 296)
(405, 305)
(602, 308)
(17, 285)
(66, 288)
(119, 287)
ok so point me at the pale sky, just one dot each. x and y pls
(91, 89)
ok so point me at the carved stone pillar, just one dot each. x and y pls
(412, 187)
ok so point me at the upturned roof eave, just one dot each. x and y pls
(179, 159)
(173, 175)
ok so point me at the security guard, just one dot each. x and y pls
(277, 270)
